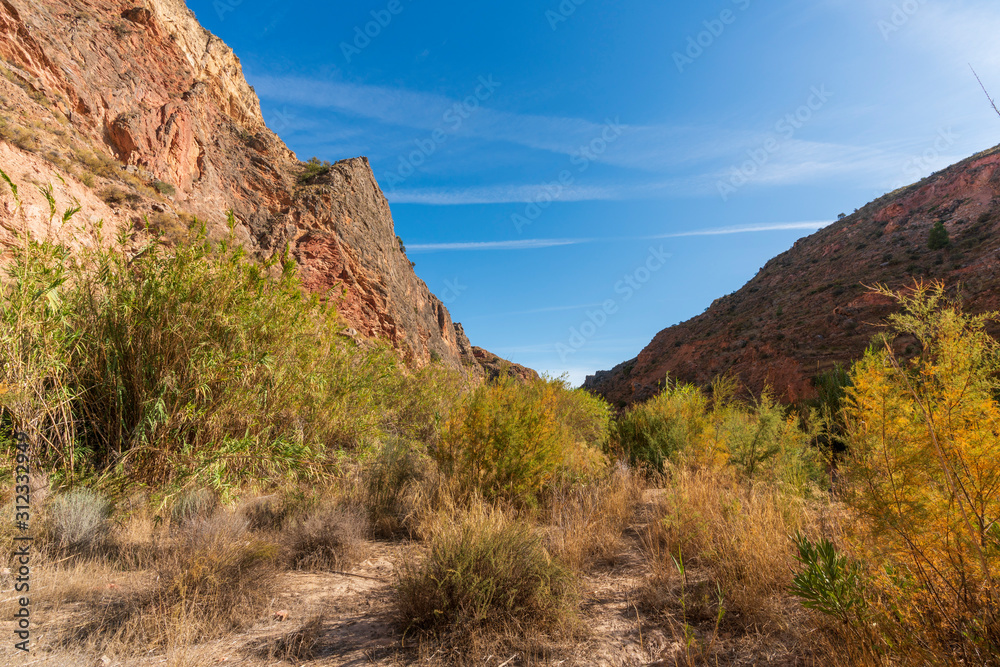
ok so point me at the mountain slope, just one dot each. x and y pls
(137, 113)
(808, 308)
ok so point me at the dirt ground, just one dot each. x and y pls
(352, 625)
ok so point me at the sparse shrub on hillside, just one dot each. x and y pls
(164, 188)
(485, 573)
(938, 238)
(509, 439)
(924, 474)
(79, 521)
(114, 196)
(170, 226)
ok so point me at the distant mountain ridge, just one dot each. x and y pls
(809, 309)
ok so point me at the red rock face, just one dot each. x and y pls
(165, 103)
(809, 308)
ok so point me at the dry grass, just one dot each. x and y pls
(212, 579)
(195, 504)
(297, 646)
(78, 522)
(587, 522)
(329, 538)
(740, 535)
(486, 575)
(266, 513)
(385, 482)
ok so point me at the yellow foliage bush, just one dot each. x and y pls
(924, 473)
(510, 440)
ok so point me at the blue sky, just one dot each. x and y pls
(571, 177)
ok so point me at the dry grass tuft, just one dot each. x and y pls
(739, 535)
(486, 575)
(588, 521)
(329, 538)
(296, 646)
(212, 579)
(266, 513)
(194, 504)
(385, 482)
(78, 522)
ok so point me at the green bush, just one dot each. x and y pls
(186, 363)
(765, 442)
(510, 439)
(828, 582)
(164, 188)
(420, 404)
(485, 573)
(313, 169)
(759, 441)
(938, 238)
(650, 434)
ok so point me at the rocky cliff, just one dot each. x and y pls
(809, 308)
(133, 111)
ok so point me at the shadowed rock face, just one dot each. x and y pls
(144, 88)
(808, 308)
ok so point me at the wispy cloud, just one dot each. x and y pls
(748, 229)
(521, 244)
(537, 311)
(498, 194)
(534, 244)
(650, 147)
(704, 155)
(798, 162)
